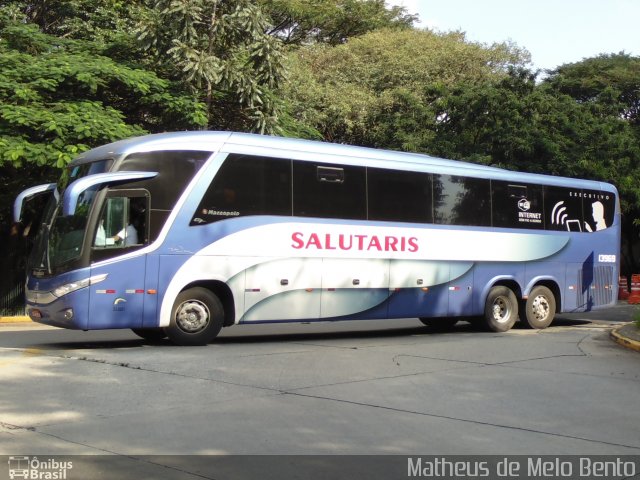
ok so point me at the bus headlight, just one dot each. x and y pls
(73, 286)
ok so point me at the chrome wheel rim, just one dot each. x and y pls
(540, 308)
(192, 316)
(501, 309)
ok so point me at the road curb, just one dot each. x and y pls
(618, 336)
(21, 319)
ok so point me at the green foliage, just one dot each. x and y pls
(610, 82)
(522, 126)
(59, 98)
(221, 51)
(102, 21)
(332, 22)
(379, 89)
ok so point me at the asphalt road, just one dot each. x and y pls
(354, 388)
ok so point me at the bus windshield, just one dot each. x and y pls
(67, 233)
(60, 238)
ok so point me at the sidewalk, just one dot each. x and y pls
(21, 319)
(628, 336)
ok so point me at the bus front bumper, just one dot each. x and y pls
(68, 311)
(62, 300)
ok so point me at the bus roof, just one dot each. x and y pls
(320, 151)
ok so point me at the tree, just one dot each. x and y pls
(379, 89)
(611, 81)
(332, 22)
(94, 20)
(221, 51)
(60, 97)
(516, 124)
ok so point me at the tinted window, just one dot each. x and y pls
(517, 205)
(72, 174)
(175, 170)
(598, 209)
(461, 201)
(247, 185)
(399, 196)
(329, 191)
(563, 209)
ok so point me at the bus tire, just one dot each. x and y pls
(540, 308)
(439, 324)
(501, 309)
(151, 334)
(196, 317)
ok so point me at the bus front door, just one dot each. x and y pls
(117, 301)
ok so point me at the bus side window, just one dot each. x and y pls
(123, 223)
(516, 205)
(329, 191)
(399, 196)
(461, 200)
(246, 185)
(598, 208)
(563, 209)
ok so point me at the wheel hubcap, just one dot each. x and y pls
(540, 308)
(501, 310)
(192, 316)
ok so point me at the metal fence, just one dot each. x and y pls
(12, 275)
(12, 300)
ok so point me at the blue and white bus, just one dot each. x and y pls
(182, 234)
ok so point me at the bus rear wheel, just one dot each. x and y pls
(196, 318)
(540, 308)
(501, 309)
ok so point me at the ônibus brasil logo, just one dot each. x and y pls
(33, 468)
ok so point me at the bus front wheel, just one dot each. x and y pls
(501, 309)
(540, 308)
(196, 318)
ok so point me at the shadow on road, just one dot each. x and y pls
(57, 339)
(121, 339)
